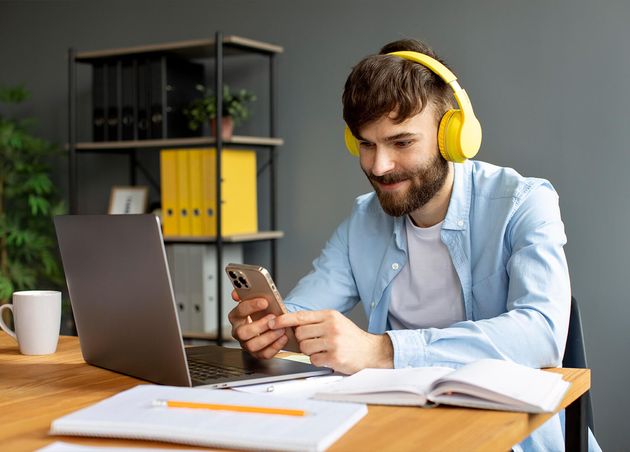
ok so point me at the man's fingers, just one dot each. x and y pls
(321, 359)
(246, 331)
(262, 341)
(274, 348)
(297, 318)
(309, 331)
(235, 296)
(312, 346)
(243, 328)
(248, 307)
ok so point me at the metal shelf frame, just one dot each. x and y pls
(218, 48)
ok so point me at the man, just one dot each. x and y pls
(452, 262)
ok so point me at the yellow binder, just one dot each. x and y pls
(168, 176)
(239, 199)
(183, 193)
(196, 191)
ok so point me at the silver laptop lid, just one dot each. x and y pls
(121, 295)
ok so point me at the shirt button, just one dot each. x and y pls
(373, 305)
(460, 223)
(395, 266)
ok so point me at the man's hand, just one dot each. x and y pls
(255, 336)
(332, 340)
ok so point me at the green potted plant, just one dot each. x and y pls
(204, 109)
(28, 201)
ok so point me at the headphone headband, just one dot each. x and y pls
(430, 63)
(444, 73)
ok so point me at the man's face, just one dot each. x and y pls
(402, 161)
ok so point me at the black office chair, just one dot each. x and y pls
(575, 354)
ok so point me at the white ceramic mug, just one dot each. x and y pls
(37, 319)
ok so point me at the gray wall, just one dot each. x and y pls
(548, 80)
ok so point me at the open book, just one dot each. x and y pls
(134, 414)
(487, 383)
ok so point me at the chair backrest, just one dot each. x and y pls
(575, 353)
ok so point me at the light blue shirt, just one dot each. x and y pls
(505, 237)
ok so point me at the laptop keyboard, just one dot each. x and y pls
(201, 370)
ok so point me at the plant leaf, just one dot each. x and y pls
(13, 95)
(39, 205)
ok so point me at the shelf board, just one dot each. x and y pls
(194, 48)
(236, 238)
(176, 142)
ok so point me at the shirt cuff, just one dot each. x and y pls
(410, 348)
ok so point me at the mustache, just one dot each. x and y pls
(390, 178)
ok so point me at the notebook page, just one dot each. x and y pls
(131, 414)
(61, 446)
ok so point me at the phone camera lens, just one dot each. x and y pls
(232, 274)
(237, 284)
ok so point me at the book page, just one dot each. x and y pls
(504, 382)
(386, 386)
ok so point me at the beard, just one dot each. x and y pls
(425, 183)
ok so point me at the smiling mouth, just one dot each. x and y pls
(391, 186)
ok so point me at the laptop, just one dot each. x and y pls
(125, 311)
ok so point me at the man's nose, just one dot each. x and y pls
(383, 162)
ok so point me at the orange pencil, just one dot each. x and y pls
(222, 407)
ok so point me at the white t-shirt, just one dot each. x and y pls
(427, 292)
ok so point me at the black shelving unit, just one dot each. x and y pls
(218, 48)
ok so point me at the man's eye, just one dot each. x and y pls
(365, 144)
(403, 144)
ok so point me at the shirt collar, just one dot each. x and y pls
(459, 205)
(399, 232)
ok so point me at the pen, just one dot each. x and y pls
(310, 383)
(222, 407)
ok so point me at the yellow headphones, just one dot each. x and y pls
(459, 133)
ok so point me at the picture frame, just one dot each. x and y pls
(128, 200)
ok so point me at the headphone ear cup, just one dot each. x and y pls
(458, 141)
(351, 142)
(449, 136)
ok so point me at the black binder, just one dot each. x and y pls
(114, 99)
(172, 87)
(129, 114)
(157, 97)
(98, 102)
(142, 100)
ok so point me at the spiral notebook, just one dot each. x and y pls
(132, 414)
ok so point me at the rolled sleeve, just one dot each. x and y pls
(409, 348)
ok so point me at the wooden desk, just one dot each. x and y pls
(34, 390)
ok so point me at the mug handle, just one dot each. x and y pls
(3, 325)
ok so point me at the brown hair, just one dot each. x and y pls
(381, 84)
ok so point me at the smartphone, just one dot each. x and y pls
(252, 281)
